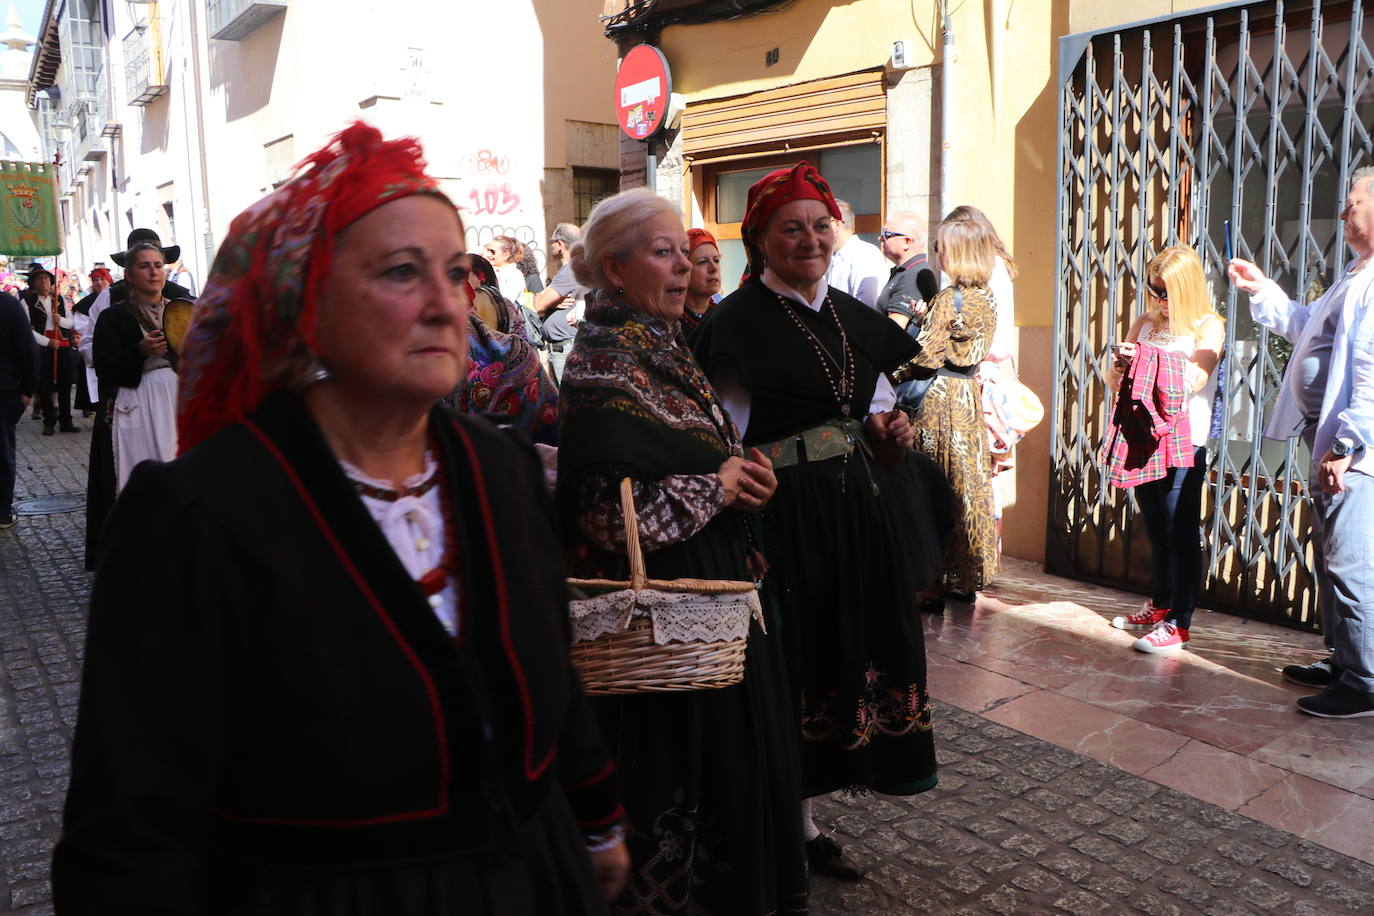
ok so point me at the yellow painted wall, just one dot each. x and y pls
(1003, 152)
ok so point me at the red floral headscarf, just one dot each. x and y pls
(771, 192)
(102, 272)
(259, 304)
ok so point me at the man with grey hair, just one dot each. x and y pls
(856, 267)
(1327, 396)
(557, 299)
(903, 239)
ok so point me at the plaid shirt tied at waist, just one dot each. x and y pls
(1150, 431)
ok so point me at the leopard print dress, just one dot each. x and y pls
(949, 428)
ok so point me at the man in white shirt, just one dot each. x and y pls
(856, 267)
(1327, 397)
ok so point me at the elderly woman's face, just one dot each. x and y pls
(654, 277)
(797, 242)
(147, 274)
(705, 260)
(393, 319)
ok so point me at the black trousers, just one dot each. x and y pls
(55, 386)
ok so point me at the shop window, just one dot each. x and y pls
(590, 187)
(855, 174)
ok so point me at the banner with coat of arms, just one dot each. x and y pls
(28, 196)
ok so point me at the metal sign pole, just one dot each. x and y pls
(650, 165)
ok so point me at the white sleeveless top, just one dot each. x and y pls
(1200, 404)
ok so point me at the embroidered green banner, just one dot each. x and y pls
(28, 196)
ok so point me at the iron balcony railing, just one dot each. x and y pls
(1256, 114)
(235, 20)
(144, 69)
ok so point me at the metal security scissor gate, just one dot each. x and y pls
(1256, 113)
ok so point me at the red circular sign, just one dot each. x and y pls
(643, 86)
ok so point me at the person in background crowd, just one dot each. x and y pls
(84, 318)
(100, 472)
(18, 379)
(1180, 320)
(136, 366)
(903, 240)
(504, 254)
(703, 283)
(1003, 349)
(1327, 396)
(719, 766)
(505, 379)
(180, 274)
(857, 267)
(556, 302)
(801, 370)
(955, 336)
(362, 703)
(51, 319)
(1000, 363)
(529, 267)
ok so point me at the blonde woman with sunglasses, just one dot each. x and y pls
(1179, 319)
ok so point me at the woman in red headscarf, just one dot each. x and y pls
(801, 369)
(325, 692)
(703, 283)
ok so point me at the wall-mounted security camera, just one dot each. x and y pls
(902, 54)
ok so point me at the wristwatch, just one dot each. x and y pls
(1342, 447)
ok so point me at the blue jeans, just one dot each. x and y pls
(11, 412)
(1172, 508)
(1345, 574)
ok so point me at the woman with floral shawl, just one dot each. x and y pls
(709, 777)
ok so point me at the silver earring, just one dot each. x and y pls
(317, 373)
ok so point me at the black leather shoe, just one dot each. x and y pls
(1318, 674)
(933, 606)
(1338, 702)
(69, 428)
(48, 430)
(826, 858)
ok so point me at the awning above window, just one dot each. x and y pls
(806, 112)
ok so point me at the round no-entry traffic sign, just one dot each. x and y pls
(643, 85)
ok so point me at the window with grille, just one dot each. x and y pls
(590, 186)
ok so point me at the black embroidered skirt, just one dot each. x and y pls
(845, 573)
(710, 778)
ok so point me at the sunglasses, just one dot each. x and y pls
(1161, 294)
(889, 234)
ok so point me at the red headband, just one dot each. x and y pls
(102, 272)
(770, 193)
(699, 237)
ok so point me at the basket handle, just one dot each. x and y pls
(627, 508)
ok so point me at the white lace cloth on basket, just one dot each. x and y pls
(676, 616)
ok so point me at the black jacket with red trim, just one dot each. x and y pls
(263, 679)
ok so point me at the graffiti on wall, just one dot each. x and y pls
(496, 199)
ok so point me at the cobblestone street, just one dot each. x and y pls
(1017, 824)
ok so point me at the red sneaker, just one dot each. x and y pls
(1147, 618)
(1164, 638)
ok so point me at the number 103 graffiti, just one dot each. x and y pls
(498, 199)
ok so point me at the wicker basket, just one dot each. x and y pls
(629, 659)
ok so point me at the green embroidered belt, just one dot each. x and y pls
(835, 438)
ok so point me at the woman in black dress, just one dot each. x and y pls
(709, 777)
(318, 679)
(801, 369)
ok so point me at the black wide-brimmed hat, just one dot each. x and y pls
(170, 253)
(36, 268)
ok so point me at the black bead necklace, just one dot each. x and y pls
(843, 388)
